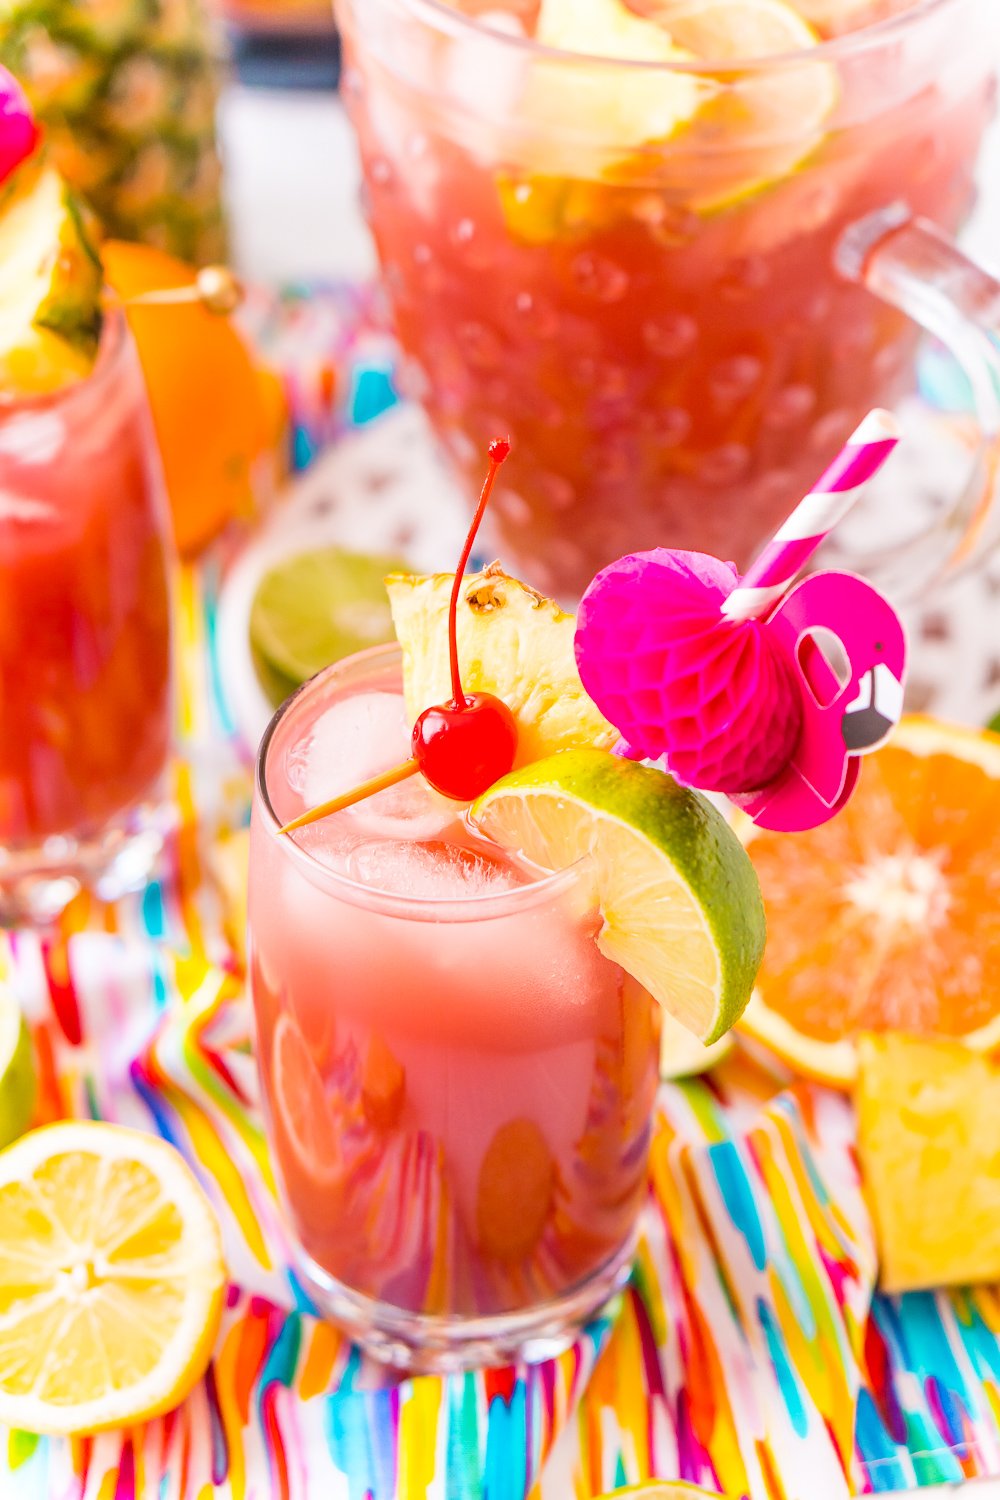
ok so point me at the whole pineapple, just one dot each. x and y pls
(127, 92)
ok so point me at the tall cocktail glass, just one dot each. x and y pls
(85, 657)
(458, 1087)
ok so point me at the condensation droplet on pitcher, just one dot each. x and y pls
(461, 446)
(732, 380)
(535, 316)
(792, 404)
(512, 507)
(854, 341)
(480, 345)
(603, 378)
(776, 488)
(547, 410)
(726, 464)
(432, 276)
(671, 227)
(670, 426)
(889, 361)
(381, 172)
(833, 428)
(597, 277)
(555, 489)
(670, 337)
(411, 380)
(615, 462)
(744, 278)
(567, 558)
(471, 246)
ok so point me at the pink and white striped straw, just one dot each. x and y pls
(814, 518)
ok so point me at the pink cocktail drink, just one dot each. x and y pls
(85, 659)
(661, 323)
(459, 1087)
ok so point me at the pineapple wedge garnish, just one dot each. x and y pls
(512, 642)
(50, 284)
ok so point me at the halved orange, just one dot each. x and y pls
(888, 917)
(302, 1114)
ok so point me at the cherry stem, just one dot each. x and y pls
(368, 788)
(499, 449)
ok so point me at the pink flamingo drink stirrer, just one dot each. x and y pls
(762, 689)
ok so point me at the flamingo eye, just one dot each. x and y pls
(879, 646)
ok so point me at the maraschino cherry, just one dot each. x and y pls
(463, 746)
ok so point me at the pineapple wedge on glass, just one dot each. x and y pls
(127, 91)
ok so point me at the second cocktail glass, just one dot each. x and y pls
(85, 641)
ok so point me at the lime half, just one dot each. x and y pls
(17, 1071)
(315, 608)
(681, 907)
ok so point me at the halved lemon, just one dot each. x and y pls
(887, 918)
(111, 1278)
(703, 125)
(680, 907)
(760, 124)
(590, 115)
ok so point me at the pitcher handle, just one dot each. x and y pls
(915, 266)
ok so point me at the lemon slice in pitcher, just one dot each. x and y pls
(700, 128)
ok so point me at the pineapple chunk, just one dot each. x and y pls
(511, 642)
(929, 1139)
(50, 285)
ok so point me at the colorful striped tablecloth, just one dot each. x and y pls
(749, 1353)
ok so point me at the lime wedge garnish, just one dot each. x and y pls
(17, 1071)
(681, 907)
(683, 1055)
(315, 608)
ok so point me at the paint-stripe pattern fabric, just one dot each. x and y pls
(747, 1355)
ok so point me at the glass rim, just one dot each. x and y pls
(110, 347)
(431, 908)
(444, 18)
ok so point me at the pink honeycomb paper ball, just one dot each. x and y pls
(718, 699)
(18, 131)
